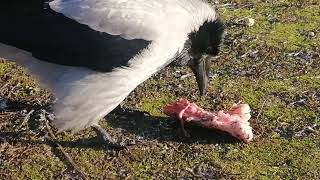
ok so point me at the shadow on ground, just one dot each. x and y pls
(137, 127)
(164, 129)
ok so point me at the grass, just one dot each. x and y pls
(279, 78)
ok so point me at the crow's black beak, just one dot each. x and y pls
(200, 69)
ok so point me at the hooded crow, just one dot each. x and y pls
(92, 53)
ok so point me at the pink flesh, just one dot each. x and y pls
(233, 121)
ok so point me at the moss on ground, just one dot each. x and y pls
(35, 165)
(272, 159)
(273, 66)
(280, 24)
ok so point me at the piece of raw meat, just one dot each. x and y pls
(234, 121)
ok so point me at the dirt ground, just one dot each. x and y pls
(270, 59)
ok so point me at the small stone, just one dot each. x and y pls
(186, 76)
(311, 34)
(250, 22)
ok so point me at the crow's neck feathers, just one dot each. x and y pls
(205, 40)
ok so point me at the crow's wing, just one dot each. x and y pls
(132, 19)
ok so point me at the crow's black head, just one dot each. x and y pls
(207, 39)
(199, 47)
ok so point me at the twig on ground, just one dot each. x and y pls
(4, 86)
(260, 111)
(3, 175)
(189, 170)
(53, 138)
(21, 153)
(26, 118)
(7, 113)
(12, 90)
(259, 114)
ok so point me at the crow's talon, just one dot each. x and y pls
(105, 138)
(146, 113)
(125, 111)
(118, 146)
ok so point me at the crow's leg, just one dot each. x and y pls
(102, 134)
(184, 132)
(106, 138)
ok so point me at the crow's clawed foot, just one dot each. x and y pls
(118, 146)
(104, 137)
(126, 111)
